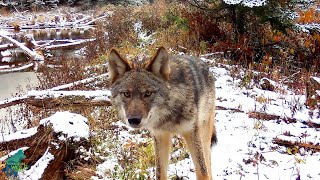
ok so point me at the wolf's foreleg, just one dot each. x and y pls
(162, 146)
(198, 148)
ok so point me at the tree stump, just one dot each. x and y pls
(52, 146)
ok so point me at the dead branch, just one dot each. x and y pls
(70, 44)
(18, 68)
(12, 101)
(80, 82)
(286, 143)
(81, 20)
(51, 99)
(32, 54)
(94, 20)
(268, 117)
(230, 109)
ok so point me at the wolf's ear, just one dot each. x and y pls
(117, 66)
(159, 64)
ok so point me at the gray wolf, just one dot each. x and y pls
(167, 95)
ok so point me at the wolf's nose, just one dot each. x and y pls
(134, 121)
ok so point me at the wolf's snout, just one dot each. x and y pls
(134, 121)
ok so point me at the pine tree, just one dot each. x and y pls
(245, 13)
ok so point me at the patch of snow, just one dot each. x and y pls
(288, 138)
(183, 168)
(4, 66)
(106, 167)
(18, 135)
(12, 153)
(316, 79)
(145, 39)
(72, 125)
(36, 171)
(307, 27)
(5, 53)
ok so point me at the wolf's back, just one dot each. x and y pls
(192, 74)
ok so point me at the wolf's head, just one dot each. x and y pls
(138, 88)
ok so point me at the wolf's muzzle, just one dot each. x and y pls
(134, 122)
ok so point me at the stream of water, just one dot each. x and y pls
(11, 85)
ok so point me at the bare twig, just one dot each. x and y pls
(72, 43)
(94, 20)
(83, 81)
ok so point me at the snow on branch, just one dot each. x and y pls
(23, 67)
(50, 99)
(248, 3)
(76, 83)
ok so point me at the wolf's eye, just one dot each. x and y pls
(147, 94)
(127, 94)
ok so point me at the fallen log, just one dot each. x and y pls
(19, 68)
(268, 117)
(54, 143)
(306, 145)
(31, 54)
(51, 99)
(49, 26)
(12, 101)
(51, 44)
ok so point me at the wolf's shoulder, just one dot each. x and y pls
(185, 68)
